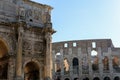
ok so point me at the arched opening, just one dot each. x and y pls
(96, 78)
(31, 71)
(106, 78)
(66, 78)
(4, 57)
(116, 78)
(58, 62)
(58, 78)
(94, 60)
(105, 63)
(75, 65)
(116, 64)
(86, 78)
(66, 66)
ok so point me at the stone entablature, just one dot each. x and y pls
(34, 14)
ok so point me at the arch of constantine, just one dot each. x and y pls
(25, 40)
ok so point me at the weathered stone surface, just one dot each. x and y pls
(86, 60)
(25, 44)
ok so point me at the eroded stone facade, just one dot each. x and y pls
(25, 40)
(86, 60)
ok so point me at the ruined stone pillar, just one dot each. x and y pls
(19, 53)
(48, 72)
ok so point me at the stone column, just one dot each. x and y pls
(48, 73)
(19, 53)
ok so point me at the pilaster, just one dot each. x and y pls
(100, 61)
(19, 53)
(62, 65)
(70, 60)
(80, 61)
(110, 60)
(89, 61)
(48, 60)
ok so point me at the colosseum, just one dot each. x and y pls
(95, 59)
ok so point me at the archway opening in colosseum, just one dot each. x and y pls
(116, 78)
(67, 79)
(105, 63)
(75, 65)
(58, 78)
(86, 78)
(116, 63)
(96, 78)
(66, 66)
(58, 62)
(4, 57)
(75, 78)
(31, 71)
(94, 60)
(106, 78)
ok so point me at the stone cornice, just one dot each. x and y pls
(43, 30)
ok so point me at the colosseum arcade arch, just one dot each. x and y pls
(31, 71)
(67, 79)
(75, 78)
(94, 60)
(106, 78)
(75, 65)
(66, 66)
(58, 62)
(86, 78)
(116, 63)
(96, 78)
(4, 59)
(116, 78)
(105, 63)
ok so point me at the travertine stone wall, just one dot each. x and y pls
(81, 50)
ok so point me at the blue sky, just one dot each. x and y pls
(85, 19)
